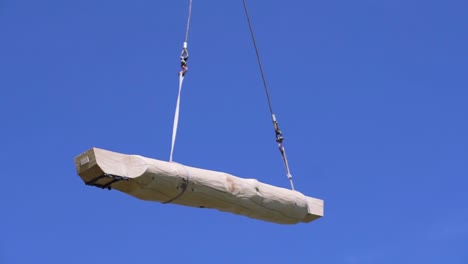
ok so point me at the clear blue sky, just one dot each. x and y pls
(371, 96)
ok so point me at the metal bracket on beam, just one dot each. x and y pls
(108, 186)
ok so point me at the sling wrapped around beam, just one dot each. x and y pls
(170, 182)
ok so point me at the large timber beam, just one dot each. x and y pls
(170, 182)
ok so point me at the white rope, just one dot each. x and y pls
(176, 117)
(183, 64)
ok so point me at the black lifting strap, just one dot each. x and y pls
(279, 134)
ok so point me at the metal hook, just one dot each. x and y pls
(184, 55)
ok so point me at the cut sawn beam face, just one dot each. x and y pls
(170, 182)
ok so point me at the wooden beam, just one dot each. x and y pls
(170, 182)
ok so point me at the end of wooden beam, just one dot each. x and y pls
(101, 168)
(314, 208)
(87, 167)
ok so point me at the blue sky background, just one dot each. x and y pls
(371, 96)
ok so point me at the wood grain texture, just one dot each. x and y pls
(160, 181)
